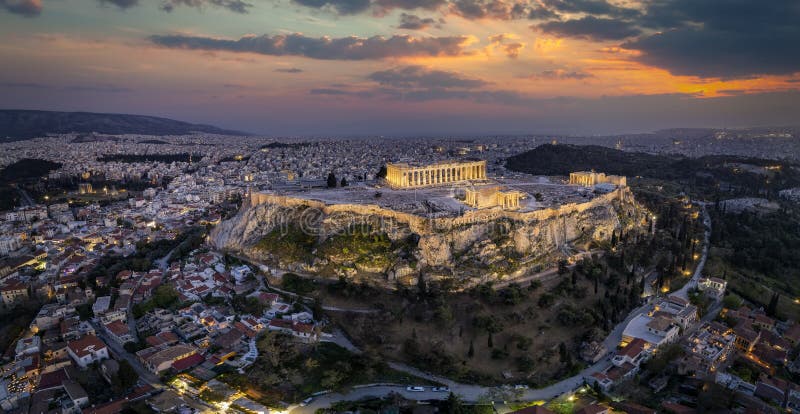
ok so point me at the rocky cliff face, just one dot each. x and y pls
(346, 239)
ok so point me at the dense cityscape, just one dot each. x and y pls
(399, 206)
(128, 284)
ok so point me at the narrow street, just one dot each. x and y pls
(119, 352)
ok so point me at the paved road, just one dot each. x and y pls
(25, 198)
(379, 391)
(698, 271)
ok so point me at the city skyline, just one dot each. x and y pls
(402, 67)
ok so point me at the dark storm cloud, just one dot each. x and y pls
(489, 9)
(122, 4)
(560, 74)
(345, 48)
(343, 7)
(410, 4)
(420, 84)
(236, 6)
(414, 22)
(722, 38)
(507, 43)
(590, 27)
(27, 8)
(349, 7)
(589, 7)
(421, 77)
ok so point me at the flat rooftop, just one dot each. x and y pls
(444, 200)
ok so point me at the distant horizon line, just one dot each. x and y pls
(444, 135)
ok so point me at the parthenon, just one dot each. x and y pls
(402, 175)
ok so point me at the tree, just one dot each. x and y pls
(331, 180)
(422, 287)
(562, 267)
(381, 172)
(471, 351)
(772, 308)
(317, 309)
(490, 342)
(126, 376)
(344, 182)
(84, 311)
(452, 405)
(732, 302)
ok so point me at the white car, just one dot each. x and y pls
(521, 387)
(440, 389)
(306, 401)
(415, 389)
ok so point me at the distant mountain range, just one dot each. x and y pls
(24, 124)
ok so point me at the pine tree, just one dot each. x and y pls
(490, 342)
(344, 182)
(772, 308)
(471, 351)
(331, 180)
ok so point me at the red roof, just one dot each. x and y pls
(245, 330)
(268, 297)
(633, 348)
(593, 409)
(188, 362)
(303, 327)
(52, 379)
(281, 323)
(86, 345)
(118, 328)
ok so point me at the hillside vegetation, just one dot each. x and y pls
(24, 124)
(705, 176)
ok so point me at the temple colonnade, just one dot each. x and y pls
(408, 176)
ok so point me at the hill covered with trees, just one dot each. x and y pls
(25, 124)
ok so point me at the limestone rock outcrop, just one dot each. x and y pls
(476, 243)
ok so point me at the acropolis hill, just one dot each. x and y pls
(474, 229)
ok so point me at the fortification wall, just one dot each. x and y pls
(420, 223)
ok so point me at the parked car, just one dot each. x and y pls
(306, 401)
(415, 389)
(521, 387)
(440, 389)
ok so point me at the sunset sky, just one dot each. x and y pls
(396, 67)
